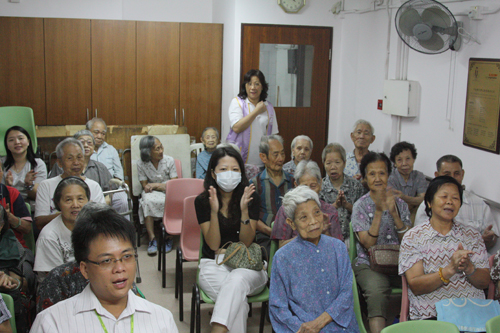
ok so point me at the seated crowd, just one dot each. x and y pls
(83, 272)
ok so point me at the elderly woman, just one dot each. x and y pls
(251, 117)
(53, 247)
(378, 218)
(362, 136)
(302, 147)
(442, 259)
(210, 139)
(307, 173)
(154, 170)
(339, 190)
(311, 279)
(407, 184)
(228, 211)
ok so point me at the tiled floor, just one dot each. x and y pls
(151, 287)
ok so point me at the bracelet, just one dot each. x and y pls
(18, 283)
(403, 227)
(18, 225)
(442, 276)
(29, 187)
(402, 231)
(469, 275)
(371, 234)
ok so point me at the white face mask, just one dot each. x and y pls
(228, 180)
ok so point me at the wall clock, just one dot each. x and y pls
(292, 6)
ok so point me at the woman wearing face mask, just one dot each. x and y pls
(227, 210)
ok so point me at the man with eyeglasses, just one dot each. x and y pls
(103, 242)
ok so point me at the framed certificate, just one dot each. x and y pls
(482, 107)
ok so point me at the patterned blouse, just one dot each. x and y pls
(362, 217)
(495, 274)
(416, 183)
(353, 190)
(289, 167)
(166, 170)
(424, 243)
(351, 165)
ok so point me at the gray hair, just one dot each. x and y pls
(363, 122)
(145, 146)
(64, 143)
(210, 128)
(309, 167)
(295, 197)
(264, 142)
(301, 137)
(333, 148)
(84, 133)
(92, 121)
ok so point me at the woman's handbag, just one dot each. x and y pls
(384, 258)
(239, 256)
(469, 314)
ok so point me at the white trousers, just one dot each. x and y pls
(229, 289)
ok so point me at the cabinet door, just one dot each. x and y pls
(114, 79)
(157, 72)
(200, 76)
(22, 72)
(67, 71)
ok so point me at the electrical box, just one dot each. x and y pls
(401, 98)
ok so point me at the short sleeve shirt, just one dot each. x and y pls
(415, 185)
(18, 183)
(351, 165)
(290, 167)
(166, 170)
(362, 217)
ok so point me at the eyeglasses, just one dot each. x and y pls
(110, 263)
(88, 143)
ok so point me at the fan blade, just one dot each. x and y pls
(436, 17)
(435, 43)
(407, 21)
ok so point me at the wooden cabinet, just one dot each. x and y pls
(22, 73)
(67, 71)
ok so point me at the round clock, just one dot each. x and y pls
(292, 6)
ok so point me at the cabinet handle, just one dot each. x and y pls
(96, 113)
(88, 114)
(182, 117)
(175, 116)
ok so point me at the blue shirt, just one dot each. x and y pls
(107, 155)
(307, 280)
(351, 165)
(202, 164)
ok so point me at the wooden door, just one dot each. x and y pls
(292, 121)
(67, 71)
(157, 72)
(22, 74)
(114, 77)
(200, 76)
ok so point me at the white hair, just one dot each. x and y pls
(264, 142)
(307, 167)
(301, 137)
(64, 143)
(295, 197)
(363, 122)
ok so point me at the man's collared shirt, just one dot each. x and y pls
(79, 314)
(108, 155)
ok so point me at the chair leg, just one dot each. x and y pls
(160, 246)
(198, 314)
(181, 291)
(250, 312)
(164, 264)
(263, 316)
(193, 298)
(178, 254)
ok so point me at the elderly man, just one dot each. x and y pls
(302, 147)
(270, 184)
(309, 174)
(474, 211)
(311, 279)
(70, 157)
(362, 136)
(104, 242)
(210, 139)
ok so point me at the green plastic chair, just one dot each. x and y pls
(29, 238)
(17, 116)
(9, 301)
(493, 325)
(418, 326)
(199, 297)
(357, 306)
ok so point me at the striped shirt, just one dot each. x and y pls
(78, 315)
(424, 243)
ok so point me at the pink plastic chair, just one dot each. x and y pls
(178, 168)
(189, 248)
(175, 192)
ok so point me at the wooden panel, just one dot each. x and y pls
(22, 74)
(292, 121)
(157, 72)
(68, 71)
(114, 79)
(201, 76)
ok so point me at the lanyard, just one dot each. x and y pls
(104, 326)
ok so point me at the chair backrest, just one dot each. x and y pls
(491, 286)
(190, 240)
(418, 326)
(176, 191)
(493, 325)
(197, 147)
(17, 116)
(352, 244)
(357, 306)
(29, 238)
(9, 301)
(178, 168)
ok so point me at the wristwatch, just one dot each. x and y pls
(29, 187)
(246, 222)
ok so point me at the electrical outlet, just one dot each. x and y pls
(476, 12)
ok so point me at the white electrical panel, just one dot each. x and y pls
(401, 98)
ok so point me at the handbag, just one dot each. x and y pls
(239, 256)
(469, 314)
(384, 258)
